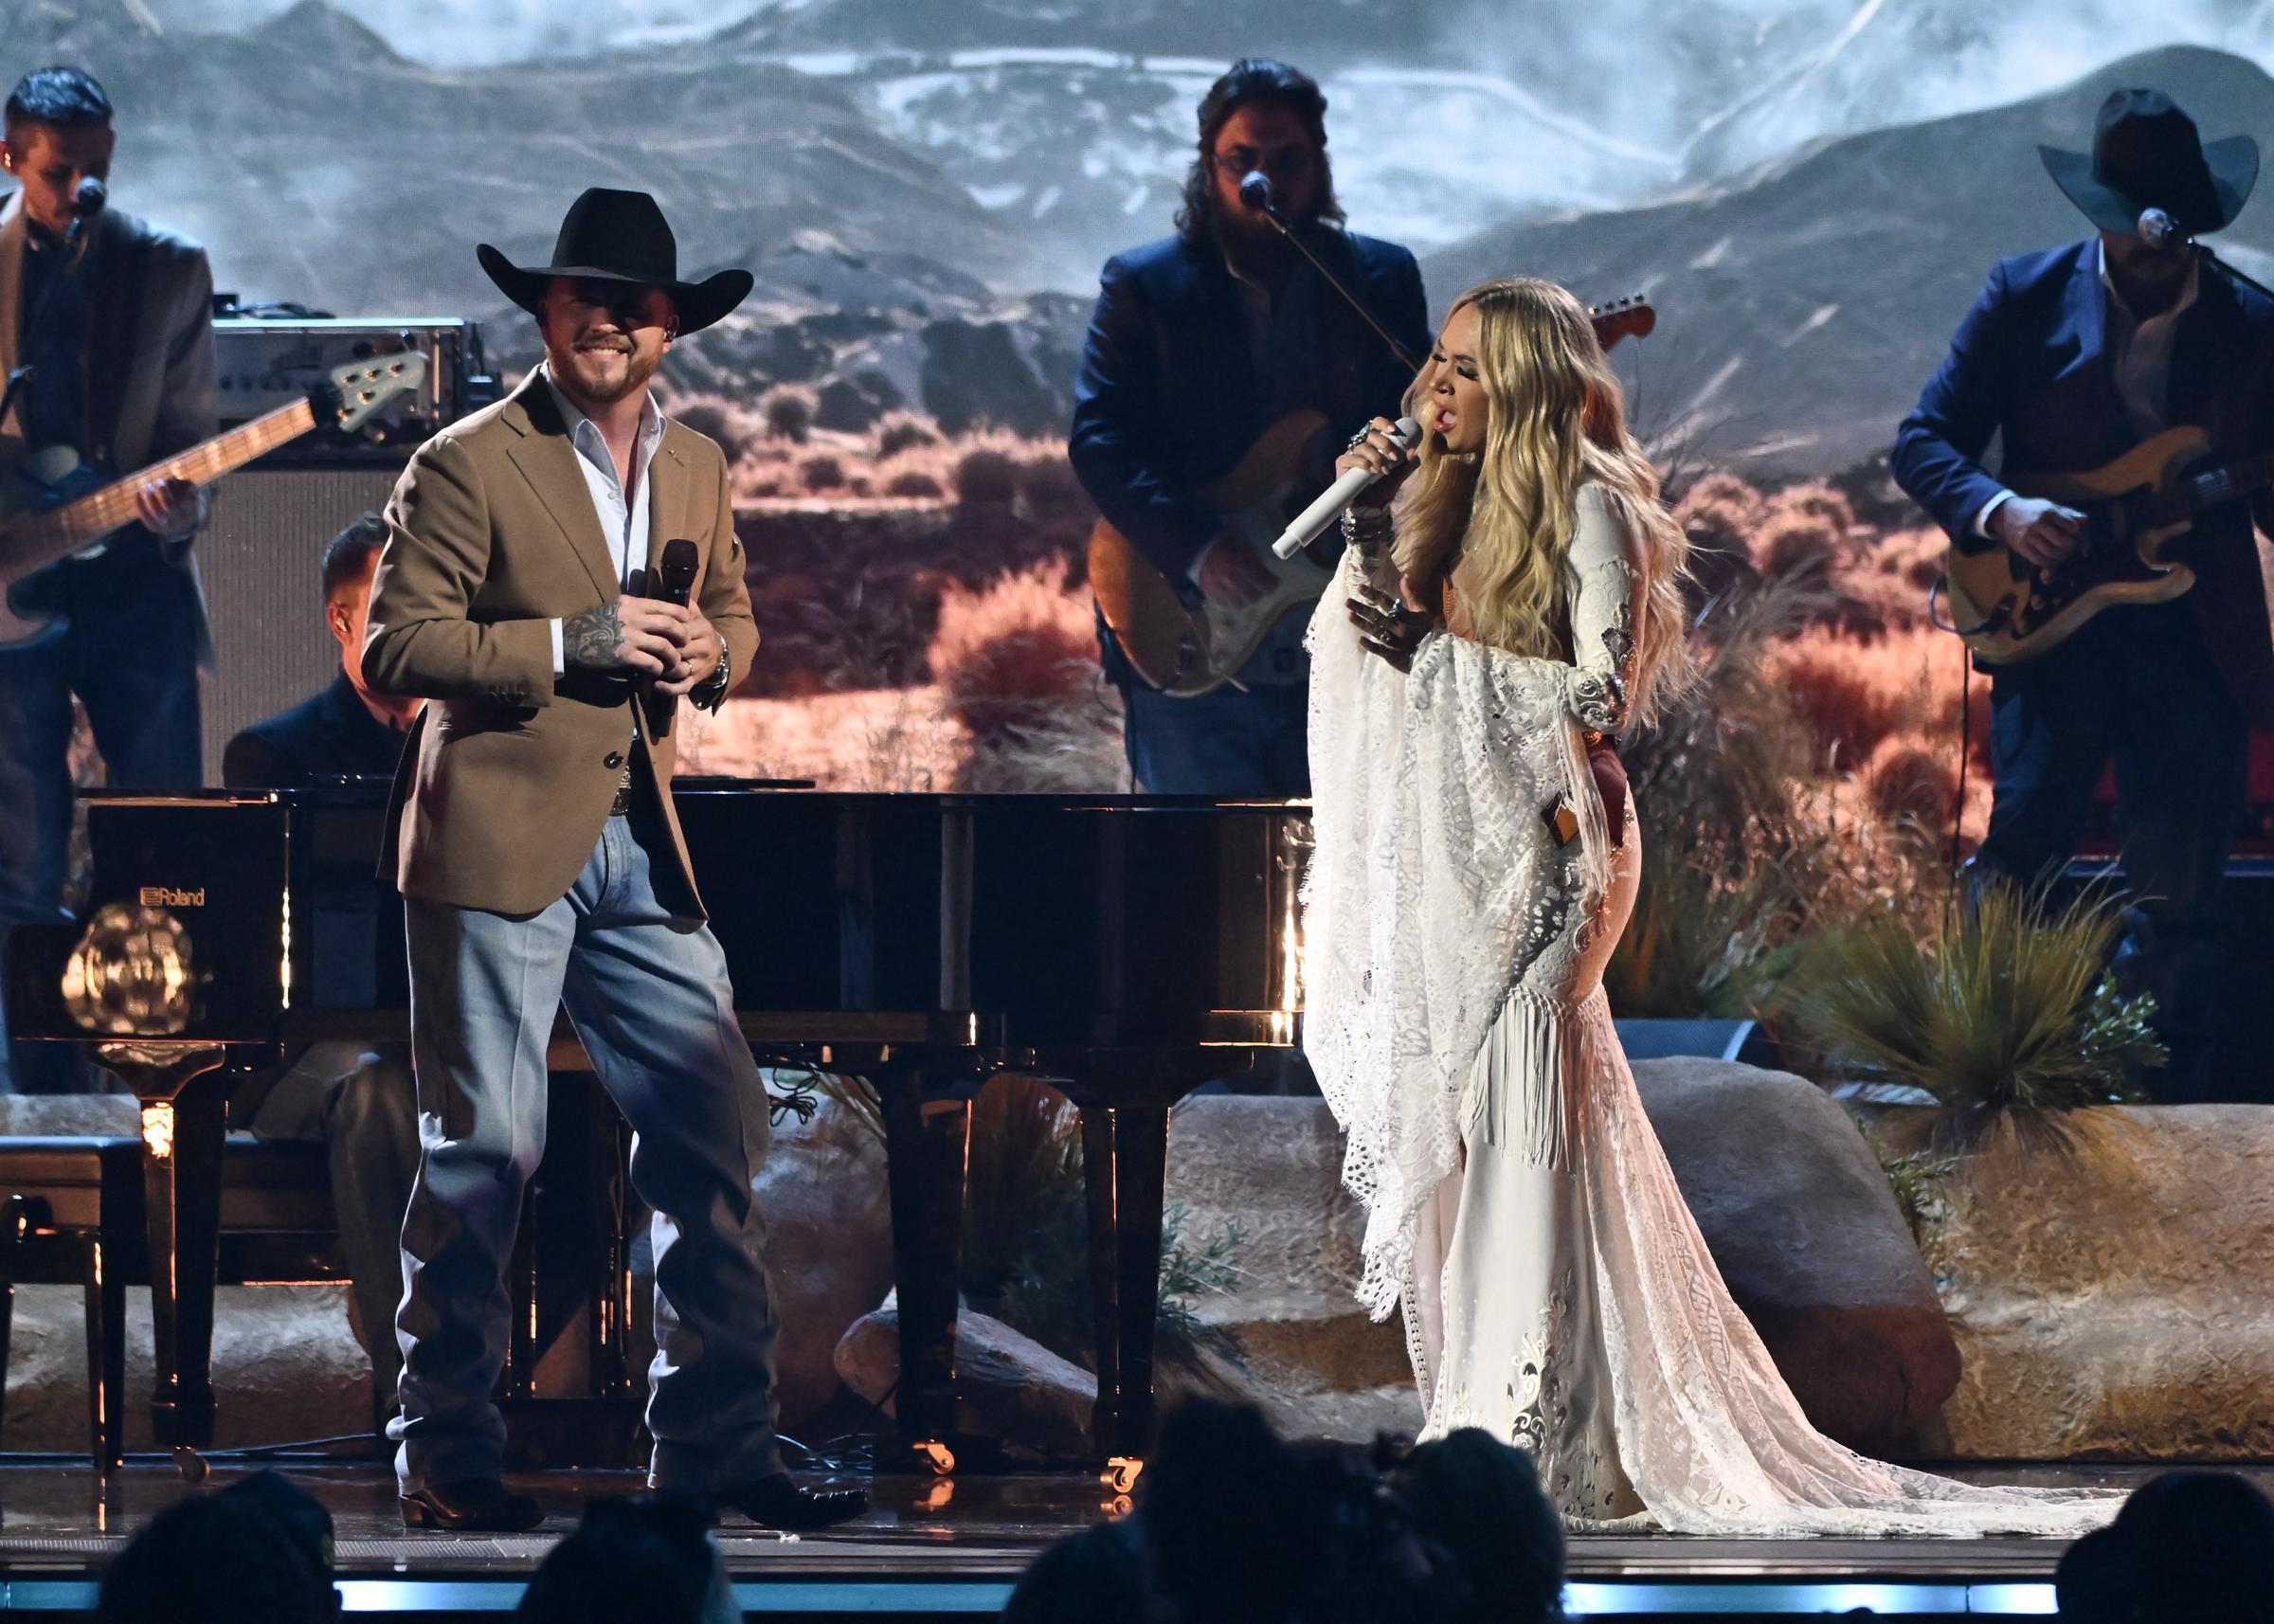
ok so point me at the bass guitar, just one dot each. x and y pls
(53, 506)
(2137, 512)
(1185, 652)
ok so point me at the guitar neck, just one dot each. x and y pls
(60, 531)
(2194, 494)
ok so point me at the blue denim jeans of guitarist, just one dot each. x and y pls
(2136, 685)
(646, 987)
(129, 649)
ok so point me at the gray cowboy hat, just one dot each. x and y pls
(611, 235)
(2146, 154)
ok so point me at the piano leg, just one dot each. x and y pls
(928, 1154)
(1124, 1163)
(184, 1121)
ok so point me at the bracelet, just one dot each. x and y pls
(1366, 527)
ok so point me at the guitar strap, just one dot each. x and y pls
(117, 291)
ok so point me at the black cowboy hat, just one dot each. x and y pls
(2147, 155)
(613, 236)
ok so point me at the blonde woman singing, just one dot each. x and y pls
(1475, 862)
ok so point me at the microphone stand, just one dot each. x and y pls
(74, 237)
(1270, 212)
(2206, 257)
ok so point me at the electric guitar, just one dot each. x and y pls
(2138, 511)
(1185, 653)
(53, 506)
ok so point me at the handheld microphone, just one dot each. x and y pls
(676, 572)
(1305, 527)
(1256, 191)
(2157, 229)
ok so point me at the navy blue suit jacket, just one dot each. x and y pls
(2029, 365)
(1168, 401)
(328, 735)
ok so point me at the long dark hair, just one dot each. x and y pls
(1246, 82)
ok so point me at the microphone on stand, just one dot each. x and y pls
(1256, 191)
(1305, 527)
(2157, 229)
(87, 200)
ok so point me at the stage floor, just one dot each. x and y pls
(954, 1547)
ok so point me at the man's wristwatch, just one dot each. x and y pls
(710, 694)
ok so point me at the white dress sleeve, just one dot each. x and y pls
(1604, 587)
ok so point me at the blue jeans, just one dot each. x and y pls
(130, 653)
(646, 987)
(2136, 684)
(1226, 743)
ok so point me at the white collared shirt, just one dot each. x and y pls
(2140, 361)
(623, 524)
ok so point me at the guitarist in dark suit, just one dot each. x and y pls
(1199, 343)
(2072, 356)
(113, 321)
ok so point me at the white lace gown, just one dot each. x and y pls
(1555, 1289)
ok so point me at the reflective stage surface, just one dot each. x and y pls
(938, 1548)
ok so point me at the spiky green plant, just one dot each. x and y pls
(2007, 1016)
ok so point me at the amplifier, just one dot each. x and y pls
(265, 364)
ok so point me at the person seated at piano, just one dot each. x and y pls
(355, 1098)
(1199, 343)
(109, 323)
(2071, 357)
(345, 729)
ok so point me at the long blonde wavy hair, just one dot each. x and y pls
(1557, 420)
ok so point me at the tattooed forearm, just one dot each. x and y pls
(593, 640)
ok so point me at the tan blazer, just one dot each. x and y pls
(508, 775)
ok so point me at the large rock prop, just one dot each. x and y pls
(829, 1251)
(1799, 1216)
(1008, 1387)
(285, 1367)
(2116, 1301)
(1309, 1358)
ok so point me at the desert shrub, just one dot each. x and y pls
(789, 413)
(823, 473)
(1702, 941)
(1913, 788)
(1797, 542)
(2006, 1014)
(986, 478)
(1049, 494)
(1847, 715)
(913, 483)
(711, 418)
(902, 431)
(1015, 650)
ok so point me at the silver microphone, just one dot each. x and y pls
(1305, 527)
(2157, 229)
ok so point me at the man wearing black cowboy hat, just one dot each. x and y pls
(2072, 356)
(540, 863)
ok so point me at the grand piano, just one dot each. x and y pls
(1130, 947)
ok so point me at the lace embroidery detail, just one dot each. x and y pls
(1597, 687)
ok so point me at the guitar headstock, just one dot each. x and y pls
(354, 390)
(1631, 318)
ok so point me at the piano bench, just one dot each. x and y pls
(72, 1212)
